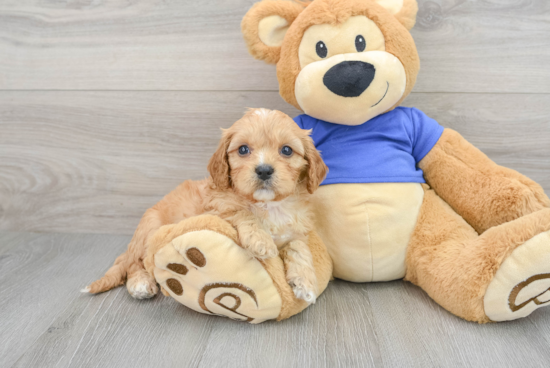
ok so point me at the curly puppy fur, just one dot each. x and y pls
(270, 214)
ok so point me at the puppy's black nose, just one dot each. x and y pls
(264, 171)
(349, 78)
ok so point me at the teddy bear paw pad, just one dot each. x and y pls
(522, 283)
(209, 273)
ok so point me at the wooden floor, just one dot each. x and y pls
(106, 105)
(47, 322)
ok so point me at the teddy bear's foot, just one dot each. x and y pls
(522, 283)
(199, 263)
(208, 272)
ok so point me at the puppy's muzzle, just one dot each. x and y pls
(349, 78)
(264, 172)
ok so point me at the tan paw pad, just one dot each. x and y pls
(209, 273)
(522, 283)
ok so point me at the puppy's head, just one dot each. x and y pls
(265, 156)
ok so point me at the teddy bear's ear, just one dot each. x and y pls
(265, 25)
(404, 10)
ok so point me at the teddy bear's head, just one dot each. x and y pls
(342, 61)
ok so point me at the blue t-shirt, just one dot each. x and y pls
(385, 149)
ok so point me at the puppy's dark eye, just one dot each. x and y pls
(360, 43)
(321, 49)
(286, 151)
(244, 150)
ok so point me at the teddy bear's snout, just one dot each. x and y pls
(349, 78)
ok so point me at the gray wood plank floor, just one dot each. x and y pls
(106, 105)
(46, 322)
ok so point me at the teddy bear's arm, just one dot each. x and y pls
(482, 192)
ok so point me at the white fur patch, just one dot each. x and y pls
(264, 195)
(279, 214)
(304, 293)
(141, 289)
(283, 219)
(86, 290)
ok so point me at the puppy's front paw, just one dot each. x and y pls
(303, 290)
(259, 245)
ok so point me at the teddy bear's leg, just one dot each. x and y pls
(199, 263)
(502, 274)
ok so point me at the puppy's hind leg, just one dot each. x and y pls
(129, 265)
(184, 201)
(300, 273)
(114, 277)
(140, 284)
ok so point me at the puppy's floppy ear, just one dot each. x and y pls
(317, 170)
(404, 10)
(218, 167)
(264, 27)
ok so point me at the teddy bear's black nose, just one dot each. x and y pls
(349, 78)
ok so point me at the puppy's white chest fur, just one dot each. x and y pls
(283, 220)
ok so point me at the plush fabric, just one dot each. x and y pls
(525, 272)
(372, 76)
(397, 40)
(250, 26)
(367, 227)
(482, 192)
(475, 240)
(475, 236)
(206, 271)
(398, 139)
(199, 263)
(454, 265)
(407, 14)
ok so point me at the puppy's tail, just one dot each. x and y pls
(115, 276)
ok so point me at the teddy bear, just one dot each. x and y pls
(405, 198)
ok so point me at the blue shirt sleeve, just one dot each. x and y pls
(425, 133)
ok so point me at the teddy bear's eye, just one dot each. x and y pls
(360, 43)
(321, 49)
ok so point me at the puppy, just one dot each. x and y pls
(262, 175)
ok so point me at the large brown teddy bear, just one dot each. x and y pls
(404, 197)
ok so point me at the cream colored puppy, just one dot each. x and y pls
(262, 175)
